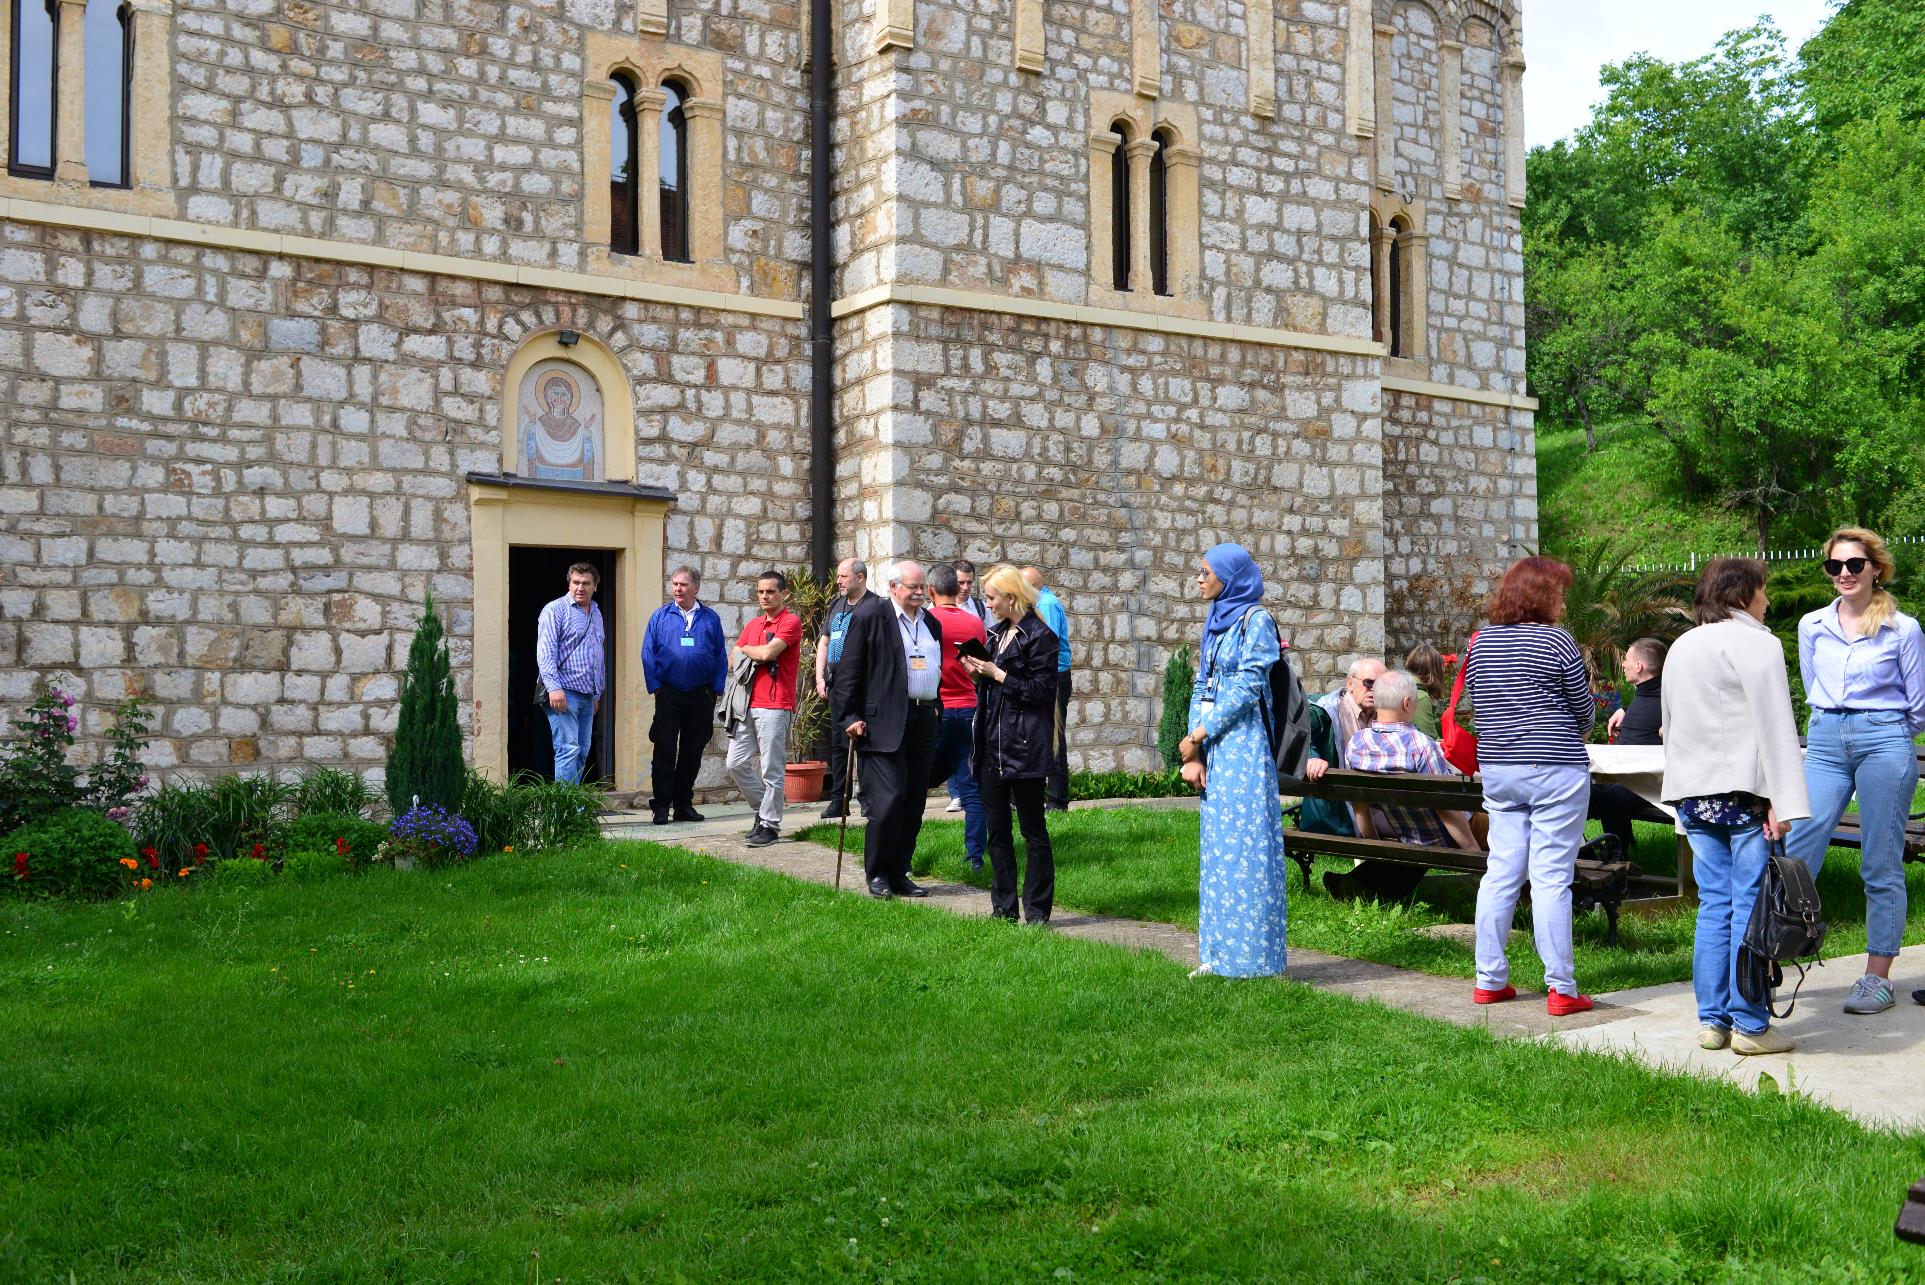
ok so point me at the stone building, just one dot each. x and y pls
(307, 310)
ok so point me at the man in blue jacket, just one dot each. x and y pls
(684, 663)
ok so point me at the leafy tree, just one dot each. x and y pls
(1869, 59)
(1179, 675)
(1576, 329)
(425, 762)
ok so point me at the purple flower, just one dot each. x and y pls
(65, 700)
(72, 722)
(141, 783)
(117, 814)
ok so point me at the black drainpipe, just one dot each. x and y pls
(821, 326)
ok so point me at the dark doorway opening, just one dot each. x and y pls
(536, 577)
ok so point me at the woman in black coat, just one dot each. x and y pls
(1015, 740)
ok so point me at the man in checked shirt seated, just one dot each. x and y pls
(1392, 744)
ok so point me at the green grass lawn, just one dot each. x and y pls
(639, 1064)
(1142, 864)
(1627, 492)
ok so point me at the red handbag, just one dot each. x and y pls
(1460, 743)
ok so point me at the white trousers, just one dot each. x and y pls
(758, 753)
(1537, 826)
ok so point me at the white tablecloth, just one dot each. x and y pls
(1639, 768)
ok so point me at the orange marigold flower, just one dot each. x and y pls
(507, 847)
(146, 884)
(185, 871)
(130, 863)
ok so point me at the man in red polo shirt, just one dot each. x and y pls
(955, 742)
(759, 746)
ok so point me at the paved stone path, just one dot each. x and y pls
(1864, 1067)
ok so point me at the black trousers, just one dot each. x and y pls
(684, 721)
(895, 787)
(1059, 769)
(1615, 805)
(1039, 873)
(839, 761)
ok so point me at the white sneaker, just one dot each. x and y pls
(1203, 970)
(955, 805)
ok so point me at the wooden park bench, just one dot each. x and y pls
(1601, 883)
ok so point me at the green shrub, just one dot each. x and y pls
(36, 780)
(224, 820)
(1127, 785)
(425, 766)
(244, 872)
(313, 866)
(1179, 676)
(352, 838)
(330, 790)
(530, 813)
(75, 852)
(491, 810)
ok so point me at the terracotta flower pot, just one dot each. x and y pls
(803, 781)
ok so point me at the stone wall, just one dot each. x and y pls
(227, 480)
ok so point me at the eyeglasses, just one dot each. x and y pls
(1838, 566)
(1369, 684)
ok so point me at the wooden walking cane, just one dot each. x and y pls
(842, 832)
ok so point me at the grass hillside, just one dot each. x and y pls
(1626, 492)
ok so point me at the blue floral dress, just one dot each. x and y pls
(1244, 876)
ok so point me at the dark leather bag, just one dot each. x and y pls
(1787, 926)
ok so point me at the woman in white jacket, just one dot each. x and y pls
(1733, 769)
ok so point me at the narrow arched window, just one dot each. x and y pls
(624, 210)
(1120, 209)
(1397, 268)
(33, 72)
(1160, 212)
(109, 53)
(674, 167)
(1376, 248)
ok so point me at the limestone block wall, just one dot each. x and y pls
(455, 126)
(227, 479)
(1460, 502)
(1112, 459)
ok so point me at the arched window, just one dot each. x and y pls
(33, 72)
(1376, 278)
(1397, 268)
(109, 46)
(1160, 212)
(1120, 208)
(624, 211)
(674, 168)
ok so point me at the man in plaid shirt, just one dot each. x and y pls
(1391, 744)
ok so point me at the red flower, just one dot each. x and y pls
(341, 847)
(152, 860)
(149, 853)
(260, 852)
(200, 853)
(20, 864)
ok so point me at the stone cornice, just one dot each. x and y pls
(1452, 392)
(248, 241)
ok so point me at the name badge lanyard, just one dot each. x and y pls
(913, 635)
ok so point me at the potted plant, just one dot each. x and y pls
(809, 598)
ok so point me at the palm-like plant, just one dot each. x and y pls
(1609, 605)
(810, 597)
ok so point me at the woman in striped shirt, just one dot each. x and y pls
(1532, 698)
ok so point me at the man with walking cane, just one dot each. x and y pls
(842, 830)
(887, 687)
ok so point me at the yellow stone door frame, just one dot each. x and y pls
(505, 511)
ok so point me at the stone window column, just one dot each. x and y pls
(1102, 212)
(1452, 126)
(1514, 129)
(1030, 51)
(1140, 151)
(597, 142)
(648, 168)
(70, 139)
(152, 111)
(704, 116)
(1360, 73)
(1380, 279)
(1416, 295)
(1386, 119)
(1185, 243)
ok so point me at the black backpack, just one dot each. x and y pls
(1786, 927)
(1286, 719)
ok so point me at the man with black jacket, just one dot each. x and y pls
(1616, 806)
(888, 689)
(852, 580)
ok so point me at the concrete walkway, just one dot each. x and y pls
(1862, 1066)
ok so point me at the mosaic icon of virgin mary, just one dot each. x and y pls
(560, 413)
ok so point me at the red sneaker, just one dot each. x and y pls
(1558, 1004)
(1479, 995)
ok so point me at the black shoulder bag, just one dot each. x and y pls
(1787, 926)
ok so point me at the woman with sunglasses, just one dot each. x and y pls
(1532, 696)
(1863, 664)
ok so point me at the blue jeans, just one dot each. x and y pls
(955, 743)
(1729, 862)
(1537, 825)
(1872, 754)
(573, 733)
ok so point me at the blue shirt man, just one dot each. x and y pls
(1050, 609)
(685, 665)
(570, 656)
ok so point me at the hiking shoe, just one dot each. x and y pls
(1768, 1040)
(1558, 1004)
(1918, 997)
(1712, 1036)
(1870, 994)
(762, 836)
(1479, 995)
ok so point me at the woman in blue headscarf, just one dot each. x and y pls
(1240, 925)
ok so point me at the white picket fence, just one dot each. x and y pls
(1776, 555)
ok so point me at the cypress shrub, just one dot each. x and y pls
(1178, 677)
(425, 760)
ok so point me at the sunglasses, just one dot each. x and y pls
(1369, 684)
(1838, 566)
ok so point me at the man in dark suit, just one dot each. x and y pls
(888, 689)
